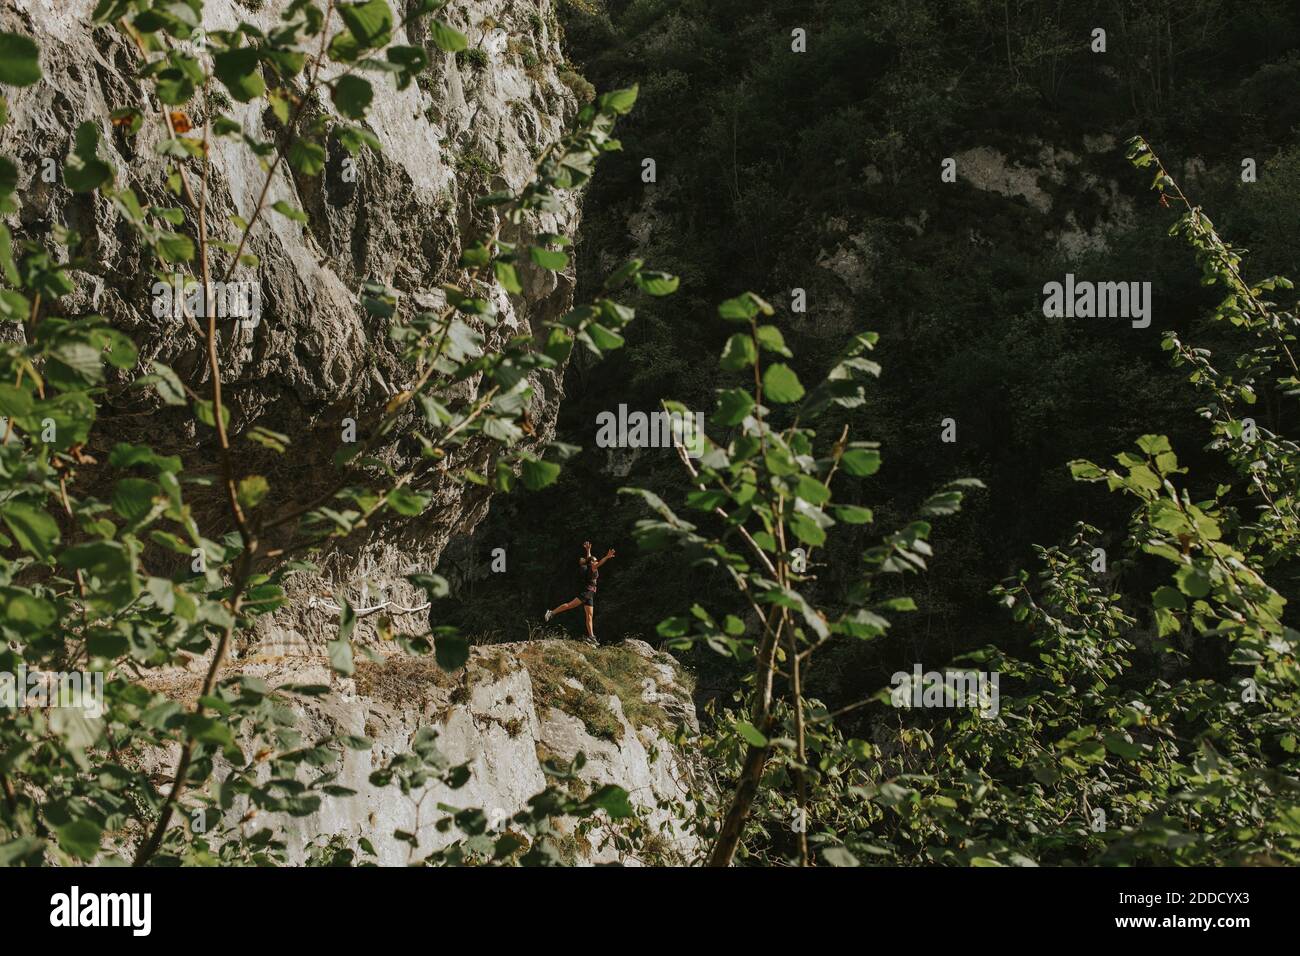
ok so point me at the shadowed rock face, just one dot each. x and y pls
(399, 216)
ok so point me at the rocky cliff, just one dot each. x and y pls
(512, 709)
(470, 125)
(399, 216)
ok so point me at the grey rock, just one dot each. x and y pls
(316, 357)
(503, 714)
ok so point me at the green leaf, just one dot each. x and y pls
(407, 502)
(203, 410)
(14, 402)
(451, 651)
(116, 347)
(8, 266)
(507, 276)
(739, 352)
(1168, 597)
(740, 309)
(537, 474)
(811, 490)
(1153, 444)
(354, 138)
(733, 405)
(166, 383)
(604, 338)
(287, 63)
(209, 730)
(133, 497)
(174, 88)
(19, 60)
(657, 283)
(853, 514)
(770, 339)
(898, 604)
(84, 171)
(174, 247)
(81, 359)
(239, 71)
(839, 856)
(352, 95)
(1192, 581)
(707, 499)
(347, 619)
(340, 652)
(34, 530)
(276, 441)
(1121, 747)
(447, 38)
(613, 800)
(547, 259)
(80, 838)
(433, 585)
(14, 306)
(807, 530)
(307, 156)
(623, 273)
(370, 23)
(8, 183)
(781, 385)
(251, 491)
(24, 851)
(750, 734)
(1082, 470)
(24, 613)
(107, 644)
(411, 60)
(861, 461)
(618, 101)
(288, 211)
(107, 560)
(125, 455)
(475, 256)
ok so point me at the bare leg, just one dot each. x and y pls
(590, 612)
(566, 606)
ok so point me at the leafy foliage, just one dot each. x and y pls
(1137, 725)
(1086, 759)
(125, 585)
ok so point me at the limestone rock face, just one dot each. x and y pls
(399, 216)
(990, 170)
(511, 708)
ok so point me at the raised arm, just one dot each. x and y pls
(608, 554)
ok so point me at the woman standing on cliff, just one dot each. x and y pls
(588, 597)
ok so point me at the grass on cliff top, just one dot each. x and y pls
(602, 672)
(401, 680)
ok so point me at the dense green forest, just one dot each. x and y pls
(772, 164)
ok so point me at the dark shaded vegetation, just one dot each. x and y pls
(772, 165)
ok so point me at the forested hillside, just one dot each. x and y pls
(822, 171)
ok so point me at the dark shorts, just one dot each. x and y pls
(588, 598)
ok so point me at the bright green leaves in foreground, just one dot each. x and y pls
(774, 496)
(1086, 755)
(117, 564)
(19, 60)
